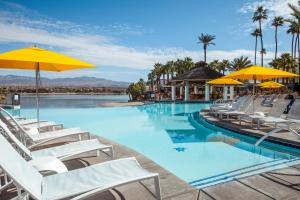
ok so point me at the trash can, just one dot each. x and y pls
(15, 101)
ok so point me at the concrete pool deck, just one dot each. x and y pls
(282, 137)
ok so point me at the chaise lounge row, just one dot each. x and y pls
(24, 168)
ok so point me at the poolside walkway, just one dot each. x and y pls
(283, 137)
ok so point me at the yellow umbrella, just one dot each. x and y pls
(37, 59)
(224, 81)
(259, 73)
(270, 84)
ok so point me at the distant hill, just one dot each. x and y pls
(84, 81)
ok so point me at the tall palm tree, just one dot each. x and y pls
(296, 13)
(240, 63)
(292, 30)
(262, 52)
(256, 33)
(259, 15)
(206, 40)
(277, 22)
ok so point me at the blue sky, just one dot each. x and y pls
(124, 38)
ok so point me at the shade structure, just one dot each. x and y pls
(270, 84)
(224, 81)
(34, 58)
(260, 73)
(37, 59)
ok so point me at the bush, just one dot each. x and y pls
(137, 90)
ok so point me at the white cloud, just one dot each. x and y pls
(74, 40)
(275, 8)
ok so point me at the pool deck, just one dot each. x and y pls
(282, 137)
(278, 184)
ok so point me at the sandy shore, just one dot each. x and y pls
(120, 104)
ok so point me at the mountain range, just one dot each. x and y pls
(84, 81)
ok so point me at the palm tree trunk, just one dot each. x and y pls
(261, 43)
(275, 42)
(298, 43)
(255, 50)
(168, 77)
(204, 47)
(295, 48)
(292, 47)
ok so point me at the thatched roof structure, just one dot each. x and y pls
(201, 73)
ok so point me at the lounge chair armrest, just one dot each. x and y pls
(48, 163)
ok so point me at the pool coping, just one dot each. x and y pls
(257, 134)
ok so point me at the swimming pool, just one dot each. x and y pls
(175, 137)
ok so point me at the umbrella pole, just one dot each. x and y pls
(253, 92)
(37, 78)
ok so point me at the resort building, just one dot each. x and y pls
(192, 85)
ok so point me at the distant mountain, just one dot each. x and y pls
(84, 81)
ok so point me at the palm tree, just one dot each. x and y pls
(224, 65)
(167, 69)
(206, 40)
(262, 52)
(158, 72)
(259, 15)
(277, 22)
(151, 78)
(240, 63)
(182, 66)
(214, 64)
(292, 30)
(163, 73)
(256, 33)
(284, 62)
(172, 68)
(296, 14)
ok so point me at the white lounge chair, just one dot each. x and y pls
(237, 109)
(290, 124)
(217, 110)
(78, 184)
(275, 116)
(32, 137)
(30, 123)
(62, 152)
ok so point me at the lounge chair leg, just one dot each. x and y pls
(112, 153)
(89, 135)
(98, 153)
(267, 135)
(157, 188)
(79, 137)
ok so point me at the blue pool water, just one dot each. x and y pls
(172, 135)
